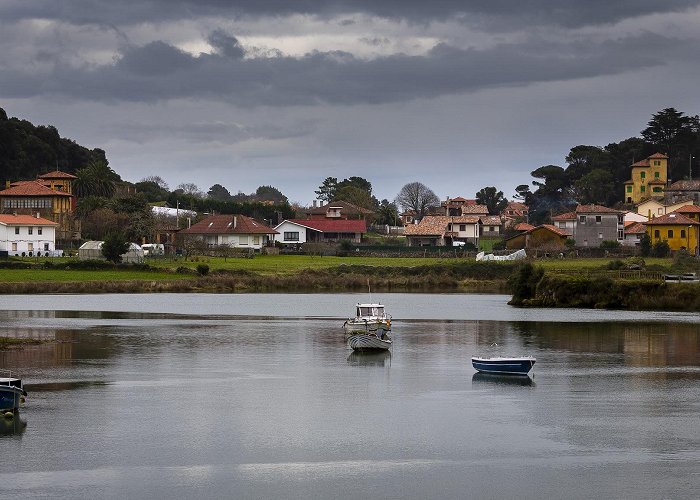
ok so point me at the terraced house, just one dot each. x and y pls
(648, 179)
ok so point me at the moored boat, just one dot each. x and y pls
(504, 365)
(11, 392)
(369, 318)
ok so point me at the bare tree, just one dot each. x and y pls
(191, 188)
(157, 180)
(417, 197)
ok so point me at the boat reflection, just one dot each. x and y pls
(12, 426)
(380, 358)
(494, 378)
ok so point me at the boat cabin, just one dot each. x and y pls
(370, 311)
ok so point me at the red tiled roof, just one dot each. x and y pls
(523, 226)
(57, 174)
(333, 225)
(635, 228)
(433, 225)
(656, 156)
(475, 209)
(642, 163)
(31, 188)
(688, 209)
(656, 181)
(24, 220)
(553, 229)
(224, 224)
(490, 220)
(595, 209)
(672, 219)
(685, 185)
(565, 216)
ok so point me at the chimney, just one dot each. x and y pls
(7, 184)
(234, 222)
(38, 215)
(314, 203)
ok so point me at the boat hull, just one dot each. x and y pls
(10, 398)
(351, 326)
(365, 342)
(504, 366)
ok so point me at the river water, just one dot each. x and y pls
(256, 396)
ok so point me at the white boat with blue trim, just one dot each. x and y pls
(504, 365)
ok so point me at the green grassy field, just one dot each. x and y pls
(23, 275)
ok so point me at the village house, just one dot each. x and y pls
(544, 237)
(490, 226)
(441, 230)
(50, 195)
(688, 189)
(653, 208)
(596, 224)
(235, 231)
(339, 210)
(454, 207)
(566, 222)
(514, 213)
(26, 235)
(690, 211)
(648, 179)
(633, 233)
(300, 231)
(676, 229)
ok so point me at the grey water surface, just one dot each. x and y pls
(257, 396)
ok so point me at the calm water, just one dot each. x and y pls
(256, 396)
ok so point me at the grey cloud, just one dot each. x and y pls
(226, 44)
(493, 12)
(158, 72)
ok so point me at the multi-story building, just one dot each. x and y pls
(24, 235)
(648, 179)
(595, 224)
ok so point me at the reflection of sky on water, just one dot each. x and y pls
(131, 404)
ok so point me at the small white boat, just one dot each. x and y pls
(379, 341)
(369, 318)
(11, 392)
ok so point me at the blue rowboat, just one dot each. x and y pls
(506, 366)
(11, 393)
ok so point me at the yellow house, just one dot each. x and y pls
(678, 230)
(648, 179)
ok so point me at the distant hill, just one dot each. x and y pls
(28, 150)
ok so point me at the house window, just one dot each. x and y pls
(600, 236)
(17, 230)
(620, 234)
(682, 233)
(491, 228)
(657, 233)
(656, 175)
(629, 189)
(670, 233)
(30, 230)
(642, 188)
(39, 230)
(657, 163)
(582, 219)
(462, 227)
(243, 239)
(562, 225)
(256, 240)
(656, 189)
(598, 219)
(660, 211)
(46, 247)
(30, 246)
(642, 175)
(291, 236)
(14, 247)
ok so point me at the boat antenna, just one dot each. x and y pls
(369, 288)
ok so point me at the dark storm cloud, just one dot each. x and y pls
(158, 72)
(495, 12)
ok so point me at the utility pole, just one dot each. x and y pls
(690, 166)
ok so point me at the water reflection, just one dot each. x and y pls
(494, 378)
(382, 358)
(12, 426)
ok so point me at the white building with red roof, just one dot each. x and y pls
(235, 231)
(25, 235)
(299, 231)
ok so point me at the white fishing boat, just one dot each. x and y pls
(369, 318)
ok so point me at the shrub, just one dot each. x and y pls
(202, 269)
(683, 260)
(614, 265)
(570, 242)
(610, 245)
(661, 249)
(645, 245)
(524, 283)
(499, 245)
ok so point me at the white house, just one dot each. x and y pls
(299, 231)
(236, 231)
(26, 235)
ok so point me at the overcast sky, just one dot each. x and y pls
(457, 94)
